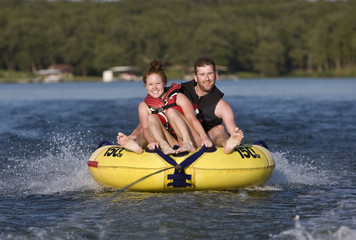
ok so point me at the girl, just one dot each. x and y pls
(167, 117)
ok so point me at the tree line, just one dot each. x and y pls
(268, 37)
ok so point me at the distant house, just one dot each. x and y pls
(122, 73)
(55, 73)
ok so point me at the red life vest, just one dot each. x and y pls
(158, 105)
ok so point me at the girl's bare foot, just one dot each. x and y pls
(128, 143)
(234, 140)
(186, 147)
(166, 149)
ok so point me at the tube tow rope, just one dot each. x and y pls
(179, 177)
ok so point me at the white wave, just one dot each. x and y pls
(324, 232)
(61, 168)
(265, 188)
(301, 172)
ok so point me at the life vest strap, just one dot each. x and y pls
(155, 110)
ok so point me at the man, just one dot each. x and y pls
(213, 109)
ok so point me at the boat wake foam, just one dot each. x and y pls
(301, 171)
(62, 167)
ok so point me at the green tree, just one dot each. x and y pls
(269, 37)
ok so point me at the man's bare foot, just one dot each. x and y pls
(234, 140)
(128, 143)
(166, 149)
(186, 147)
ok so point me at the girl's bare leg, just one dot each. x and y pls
(182, 130)
(159, 133)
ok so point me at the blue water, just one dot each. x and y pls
(48, 132)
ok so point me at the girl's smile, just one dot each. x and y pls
(155, 85)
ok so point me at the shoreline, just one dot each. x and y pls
(26, 78)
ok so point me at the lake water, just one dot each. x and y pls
(48, 132)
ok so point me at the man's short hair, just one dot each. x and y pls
(203, 61)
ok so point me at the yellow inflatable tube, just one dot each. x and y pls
(117, 167)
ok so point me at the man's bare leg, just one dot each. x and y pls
(128, 143)
(218, 136)
(234, 140)
(136, 133)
